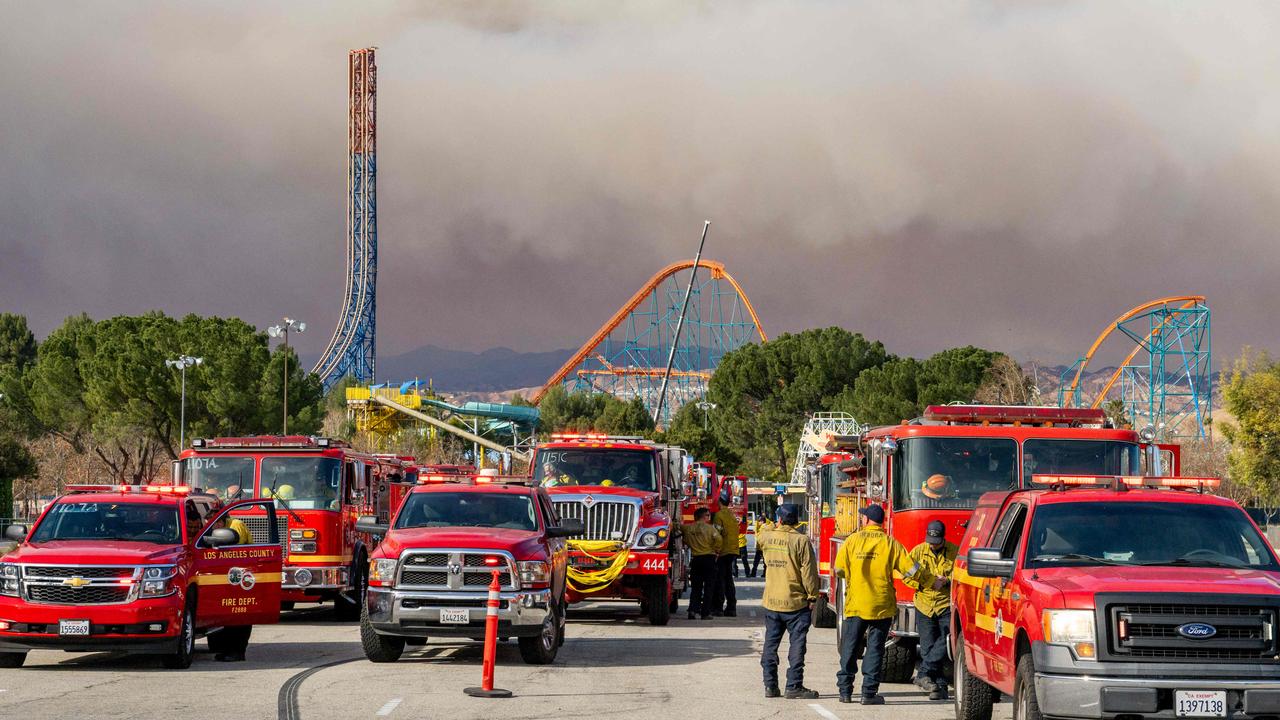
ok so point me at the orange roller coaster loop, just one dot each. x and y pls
(1187, 302)
(718, 272)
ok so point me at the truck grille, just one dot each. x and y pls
(40, 572)
(1147, 628)
(260, 529)
(438, 570)
(88, 595)
(604, 519)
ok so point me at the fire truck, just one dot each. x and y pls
(137, 569)
(628, 493)
(321, 486)
(936, 467)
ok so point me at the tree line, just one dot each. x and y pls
(102, 388)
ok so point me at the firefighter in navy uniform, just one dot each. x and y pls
(790, 589)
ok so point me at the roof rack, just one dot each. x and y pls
(1125, 482)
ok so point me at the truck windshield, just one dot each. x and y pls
(949, 472)
(305, 483)
(1120, 533)
(228, 477)
(1080, 457)
(467, 509)
(133, 522)
(623, 468)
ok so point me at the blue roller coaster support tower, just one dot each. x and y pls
(352, 350)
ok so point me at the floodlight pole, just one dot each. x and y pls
(283, 330)
(675, 341)
(182, 363)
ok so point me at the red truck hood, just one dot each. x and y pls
(1079, 584)
(94, 552)
(513, 541)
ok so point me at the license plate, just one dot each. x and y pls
(455, 617)
(73, 627)
(584, 562)
(1200, 703)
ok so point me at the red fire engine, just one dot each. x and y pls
(627, 493)
(936, 467)
(321, 486)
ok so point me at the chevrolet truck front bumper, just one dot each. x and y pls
(1070, 688)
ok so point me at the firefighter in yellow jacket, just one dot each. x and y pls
(936, 557)
(790, 588)
(703, 540)
(867, 561)
(724, 598)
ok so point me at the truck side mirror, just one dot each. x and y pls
(686, 489)
(220, 537)
(369, 524)
(987, 563)
(16, 533)
(567, 528)
(175, 471)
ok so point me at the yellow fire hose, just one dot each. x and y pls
(613, 553)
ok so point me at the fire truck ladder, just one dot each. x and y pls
(820, 424)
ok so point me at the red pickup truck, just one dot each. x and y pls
(1116, 597)
(140, 569)
(430, 574)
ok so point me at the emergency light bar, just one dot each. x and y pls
(597, 437)
(159, 489)
(473, 479)
(1015, 415)
(1127, 481)
(267, 441)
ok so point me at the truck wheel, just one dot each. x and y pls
(658, 606)
(181, 660)
(973, 698)
(541, 649)
(12, 660)
(378, 648)
(346, 608)
(899, 661)
(824, 616)
(1026, 706)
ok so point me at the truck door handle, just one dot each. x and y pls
(986, 592)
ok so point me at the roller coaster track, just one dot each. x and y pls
(628, 353)
(1176, 336)
(351, 350)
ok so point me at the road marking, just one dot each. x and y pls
(287, 700)
(823, 711)
(390, 707)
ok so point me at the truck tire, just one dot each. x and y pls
(541, 649)
(824, 616)
(12, 659)
(657, 603)
(181, 660)
(346, 608)
(1026, 705)
(378, 648)
(899, 661)
(973, 698)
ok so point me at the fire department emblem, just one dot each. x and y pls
(588, 501)
(242, 577)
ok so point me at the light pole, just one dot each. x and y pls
(182, 363)
(705, 407)
(279, 331)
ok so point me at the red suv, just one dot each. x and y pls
(141, 569)
(1121, 597)
(430, 575)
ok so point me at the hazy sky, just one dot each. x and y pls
(1007, 174)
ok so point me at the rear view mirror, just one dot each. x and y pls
(369, 524)
(567, 528)
(686, 489)
(16, 533)
(220, 537)
(987, 563)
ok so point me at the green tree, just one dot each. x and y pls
(764, 392)
(691, 428)
(1252, 396)
(902, 388)
(306, 396)
(624, 418)
(15, 462)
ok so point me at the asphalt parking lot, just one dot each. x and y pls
(613, 664)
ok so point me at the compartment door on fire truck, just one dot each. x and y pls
(240, 584)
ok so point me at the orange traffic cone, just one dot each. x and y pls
(486, 688)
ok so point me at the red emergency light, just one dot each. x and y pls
(1015, 415)
(159, 489)
(267, 441)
